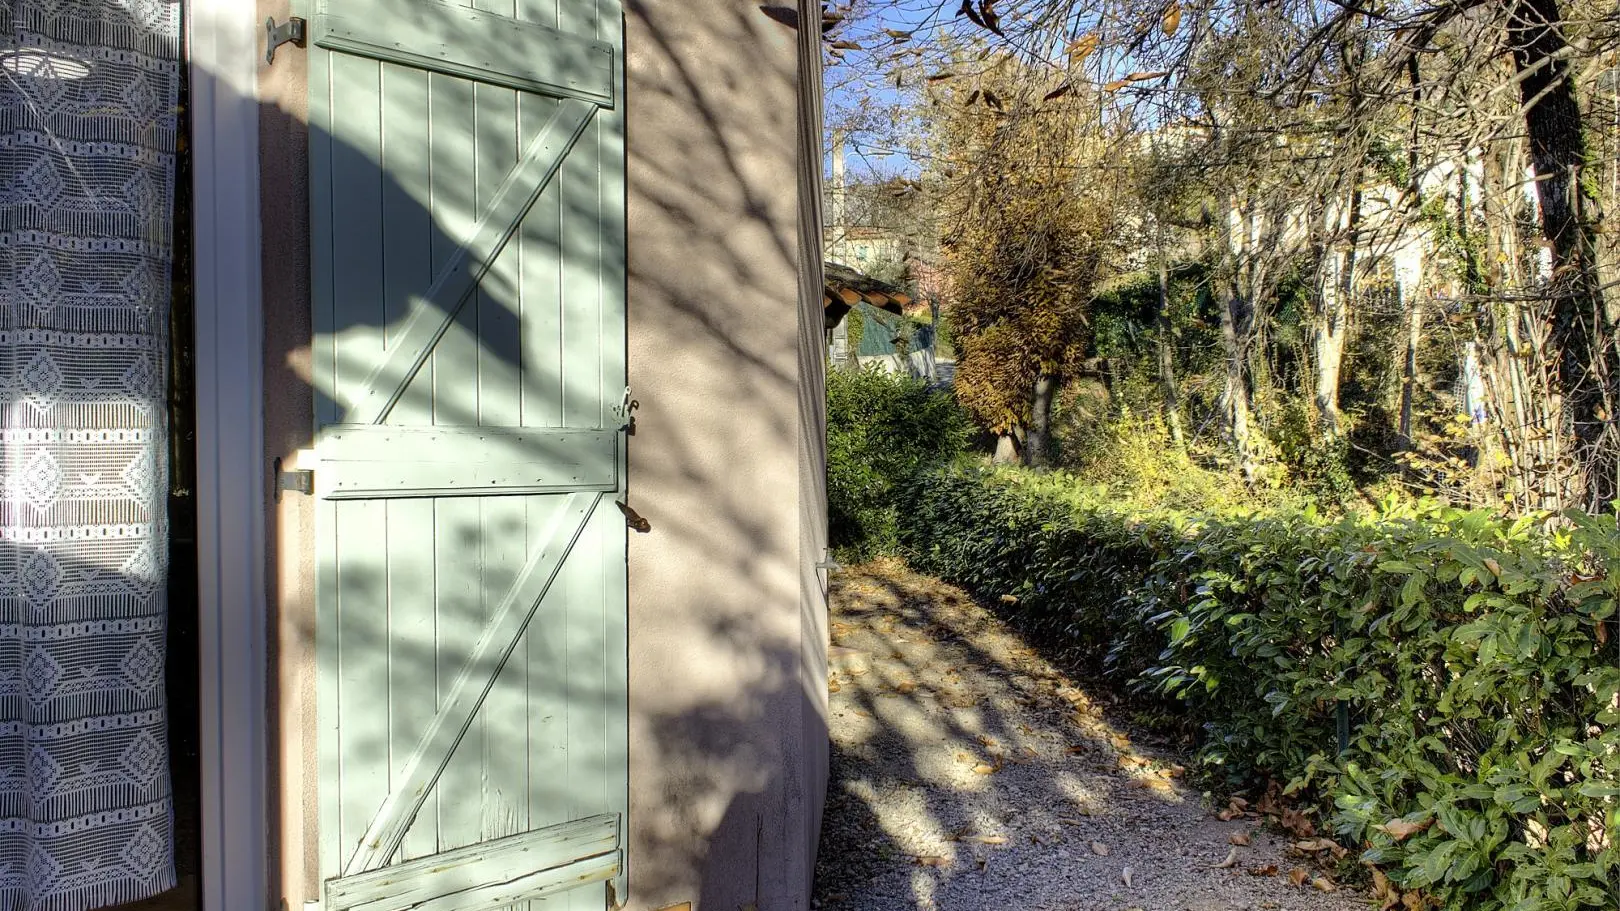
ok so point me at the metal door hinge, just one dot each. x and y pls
(301, 481)
(292, 32)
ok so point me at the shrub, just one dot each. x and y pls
(881, 428)
(1471, 655)
(1131, 457)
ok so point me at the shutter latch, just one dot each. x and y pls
(292, 32)
(624, 412)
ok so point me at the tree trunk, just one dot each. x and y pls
(1235, 404)
(1037, 445)
(1500, 205)
(1006, 450)
(1327, 342)
(1521, 387)
(1335, 284)
(1414, 336)
(1167, 362)
(1583, 317)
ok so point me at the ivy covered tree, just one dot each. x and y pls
(1028, 232)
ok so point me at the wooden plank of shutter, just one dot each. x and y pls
(472, 686)
(470, 44)
(454, 285)
(527, 864)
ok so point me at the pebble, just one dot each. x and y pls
(901, 799)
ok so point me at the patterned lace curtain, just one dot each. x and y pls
(87, 151)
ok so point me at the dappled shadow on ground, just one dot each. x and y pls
(970, 772)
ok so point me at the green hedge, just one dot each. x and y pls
(1473, 655)
(881, 429)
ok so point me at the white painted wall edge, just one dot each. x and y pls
(224, 51)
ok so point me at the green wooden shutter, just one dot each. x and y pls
(467, 200)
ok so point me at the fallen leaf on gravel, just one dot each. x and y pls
(933, 861)
(1228, 814)
(1400, 829)
(1298, 876)
(1230, 861)
(907, 688)
(1296, 823)
(1384, 892)
(1239, 838)
(1009, 599)
(1077, 749)
(1323, 884)
(987, 839)
(1315, 845)
(1267, 870)
(1156, 784)
(988, 741)
(1125, 877)
(834, 686)
(1099, 849)
(984, 768)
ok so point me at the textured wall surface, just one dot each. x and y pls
(289, 404)
(284, 214)
(727, 620)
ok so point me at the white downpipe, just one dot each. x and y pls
(230, 454)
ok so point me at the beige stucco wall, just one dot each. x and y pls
(727, 631)
(727, 608)
(289, 405)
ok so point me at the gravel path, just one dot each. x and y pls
(968, 774)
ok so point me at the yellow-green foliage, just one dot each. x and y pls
(1131, 459)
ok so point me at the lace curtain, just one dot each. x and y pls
(87, 150)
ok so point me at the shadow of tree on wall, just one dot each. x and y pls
(728, 794)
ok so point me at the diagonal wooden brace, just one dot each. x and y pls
(433, 315)
(477, 677)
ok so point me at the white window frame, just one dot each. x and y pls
(234, 737)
